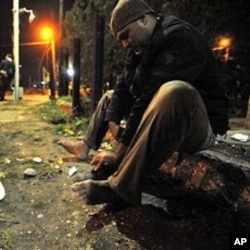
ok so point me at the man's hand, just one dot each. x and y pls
(101, 158)
(4, 73)
(107, 157)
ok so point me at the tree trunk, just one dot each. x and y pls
(248, 116)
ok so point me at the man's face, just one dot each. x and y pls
(134, 36)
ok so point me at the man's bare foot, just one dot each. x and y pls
(95, 192)
(82, 177)
(93, 175)
(79, 148)
(101, 174)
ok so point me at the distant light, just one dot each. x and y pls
(47, 33)
(70, 72)
(225, 42)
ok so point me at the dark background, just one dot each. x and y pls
(47, 14)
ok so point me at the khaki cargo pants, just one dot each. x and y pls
(175, 120)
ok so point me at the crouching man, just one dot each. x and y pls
(178, 105)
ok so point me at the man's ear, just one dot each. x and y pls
(144, 20)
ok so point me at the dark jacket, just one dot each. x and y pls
(9, 68)
(176, 51)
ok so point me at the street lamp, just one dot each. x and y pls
(31, 14)
(224, 43)
(16, 12)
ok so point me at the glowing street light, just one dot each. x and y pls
(47, 33)
(224, 43)
(16, 12)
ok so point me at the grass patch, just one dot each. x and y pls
(51, 112)
(6, 239)
(65, 123)
(75, 127)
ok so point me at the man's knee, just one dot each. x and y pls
(175, 86)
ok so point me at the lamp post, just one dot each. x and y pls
(47, 34)
(16, 12)
(224, 43)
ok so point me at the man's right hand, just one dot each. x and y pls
(104, 157)
(108, 157)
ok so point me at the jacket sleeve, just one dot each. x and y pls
(9, 67)
(121, 102)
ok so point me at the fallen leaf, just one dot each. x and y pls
(7, 161)
(60, 161)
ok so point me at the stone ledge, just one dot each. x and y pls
(219, 176)
(237, 155)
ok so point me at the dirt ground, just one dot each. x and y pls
(42, 212)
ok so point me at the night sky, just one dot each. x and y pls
(47, 12)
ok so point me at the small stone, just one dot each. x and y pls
(72, 171)
(37, 159)
(2, 191)
(30, 172)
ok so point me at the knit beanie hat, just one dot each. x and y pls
(126, 12)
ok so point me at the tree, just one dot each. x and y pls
(79, 22)
(212, 18)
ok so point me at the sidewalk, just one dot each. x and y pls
(11, 115)
(38, 97)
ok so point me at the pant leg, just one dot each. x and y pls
(98, 127)
(176, 119)
(2, 88)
